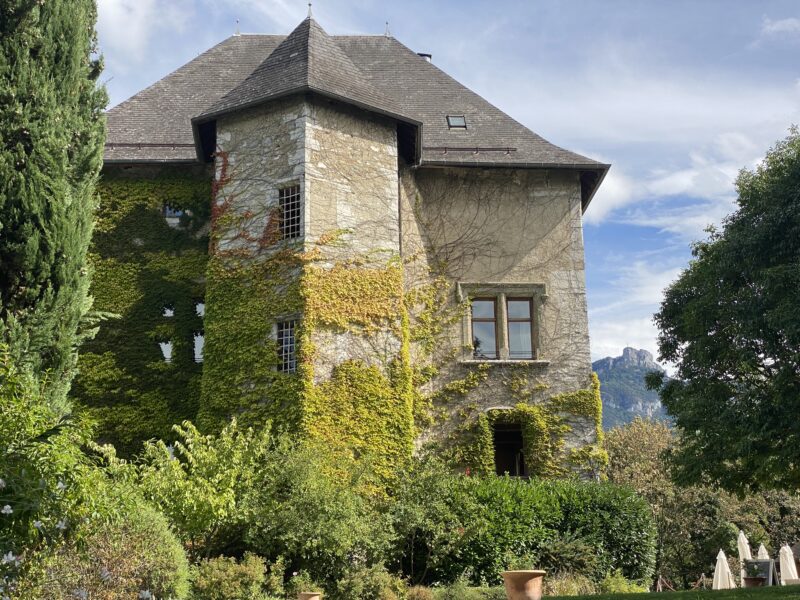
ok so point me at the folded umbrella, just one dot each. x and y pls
(744, 552)
(723, 578)
(788, 568)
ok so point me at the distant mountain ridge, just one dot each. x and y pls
(625, 395)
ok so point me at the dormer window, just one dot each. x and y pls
(456, 121)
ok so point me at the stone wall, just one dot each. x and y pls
(465, 228)
(500, 227)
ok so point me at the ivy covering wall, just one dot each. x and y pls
(371, 407)
(142, 266)
(544, 427)
(363, 410)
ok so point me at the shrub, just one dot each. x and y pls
(118, 559)
(568, 584)
(318, 522)
(301, 581)
(449, 524)
(420, 592)
(569, 553)
(200, 483)
(374, 583)
(615, 583)
(223, 578)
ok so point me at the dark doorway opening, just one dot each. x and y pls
(508, 455)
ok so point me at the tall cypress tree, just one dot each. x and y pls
(51, 139)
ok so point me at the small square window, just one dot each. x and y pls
(171, 212)
(287, 348)
(456, 121)
(290, 212)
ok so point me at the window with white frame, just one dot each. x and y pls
(291, 212)
(502, 322)
(287, 346)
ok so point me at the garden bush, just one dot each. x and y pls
(118, 559)
(224, 578)
(317, 521)
(615, 583)
(373, 583)
(450, 524)
(568, 584)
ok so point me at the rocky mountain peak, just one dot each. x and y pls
(623, 388)
(639, 358)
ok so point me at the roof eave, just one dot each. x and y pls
(602, 172)
(600, 168)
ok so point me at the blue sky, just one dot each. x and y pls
(677, 95)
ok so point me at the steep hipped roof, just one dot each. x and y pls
(308, 60)
(376, 73)
(156, 124)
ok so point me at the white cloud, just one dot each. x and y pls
(616, 191)
(770, 27)
(707, 178)
(610, 335)
(627, 318)
(126, 28)
(687, 222)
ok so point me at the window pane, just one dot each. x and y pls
(483, 309)
(291, 212)
(519, 340)
(199, 344)
(287, 358)
(456, 121)
(166, 350)
(483, 340)
(519, 309)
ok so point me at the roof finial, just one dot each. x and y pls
(387, 33)
(237, 28)
(309, 10)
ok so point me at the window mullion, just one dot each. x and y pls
(502, 326)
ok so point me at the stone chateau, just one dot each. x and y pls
(331, 234)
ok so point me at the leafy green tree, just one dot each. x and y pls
(693, 522)
(51, 141)
(731, 325)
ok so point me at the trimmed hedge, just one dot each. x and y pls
(450, 525)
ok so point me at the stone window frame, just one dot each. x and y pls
(537, 292)
(273, 204)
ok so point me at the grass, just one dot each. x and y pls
(789, 592)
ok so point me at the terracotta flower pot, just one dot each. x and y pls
(309, 596)
(523, 585)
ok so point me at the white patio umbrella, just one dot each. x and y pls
(723, 578)
(762, 553)
(788, 568)
(744, 552)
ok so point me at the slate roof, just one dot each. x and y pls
(308, 60)
(373, 72)
(156, 123)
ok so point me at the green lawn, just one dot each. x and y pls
(766, 593)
